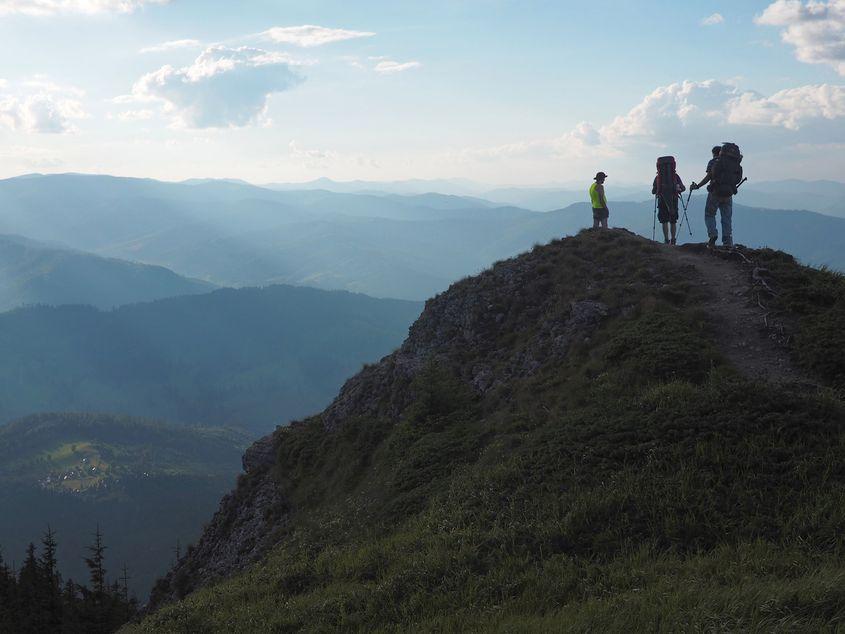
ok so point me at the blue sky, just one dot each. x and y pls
(497, 91)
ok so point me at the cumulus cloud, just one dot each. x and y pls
(816, 29)
(42, 107)
(792, 108)
(309, 35)
(224, 87)
(390, 67)
(712, 20)
(685, 119)
(54, 7)
(171, 46)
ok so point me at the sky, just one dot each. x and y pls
(501, 92)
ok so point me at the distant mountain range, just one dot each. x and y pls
(252, 358)
(144, 484)
(37, 273)
(383, 244)
(826, 197)
(546, 198)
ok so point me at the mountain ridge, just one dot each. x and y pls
(550, 429)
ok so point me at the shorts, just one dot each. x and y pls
(600, 213)
(667, 213)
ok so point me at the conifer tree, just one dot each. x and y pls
(50, 592)
(96, 609)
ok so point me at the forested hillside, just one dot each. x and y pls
(253, 358)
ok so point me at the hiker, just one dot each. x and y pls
(724, 175)
(667, 186)
(599, 201)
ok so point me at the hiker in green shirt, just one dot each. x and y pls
(599, 202)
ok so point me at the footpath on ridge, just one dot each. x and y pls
(750, 334)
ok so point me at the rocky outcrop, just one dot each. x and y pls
(501, 325)
(241, 532)
(260, 455)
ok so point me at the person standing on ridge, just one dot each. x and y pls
(667, 186)
(599, 201)
(721, 186)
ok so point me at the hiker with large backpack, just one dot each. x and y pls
(598, 199)
(667, 187)
(724, 176)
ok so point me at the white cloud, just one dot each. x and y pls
(224, 87)
(816, 29)
(135, 115)
(41, 107)
(54, 7)
(171, 46)
(389, 67)
(312, 159)
(686, 119)
(791, 109)
(316, 160)
(309, 35)
(711, 20)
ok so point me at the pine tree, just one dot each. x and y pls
(30, 586)
(50, 593)
(8, 587)
(96, 609)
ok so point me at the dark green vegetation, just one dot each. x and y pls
(35, 599)
(34, 273)
(407, 247)
(638, 484)
(250, 357)
(145, 484)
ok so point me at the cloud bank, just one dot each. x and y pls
(309, 35)
(815, 29)
(224, 87)
(686, 119)
(54, 7)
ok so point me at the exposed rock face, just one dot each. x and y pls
(260, 455)
(240, 533)
(500, 325)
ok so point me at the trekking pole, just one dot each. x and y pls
(741, 182)
(654, 223)
(689, 226)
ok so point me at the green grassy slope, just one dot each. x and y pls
(638, 484)
(146, 484)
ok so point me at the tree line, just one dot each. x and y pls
(34, 598)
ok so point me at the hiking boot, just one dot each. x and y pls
(665, 240)
(673, 241)
(711, 243)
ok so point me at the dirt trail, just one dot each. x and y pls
(746, 336)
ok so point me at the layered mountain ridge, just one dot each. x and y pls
(567, 437)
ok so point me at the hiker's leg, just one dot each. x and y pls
(604, 222)
(665, 226)
(710, 215)
(674, 226)
(727, 208)
(596, 223)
